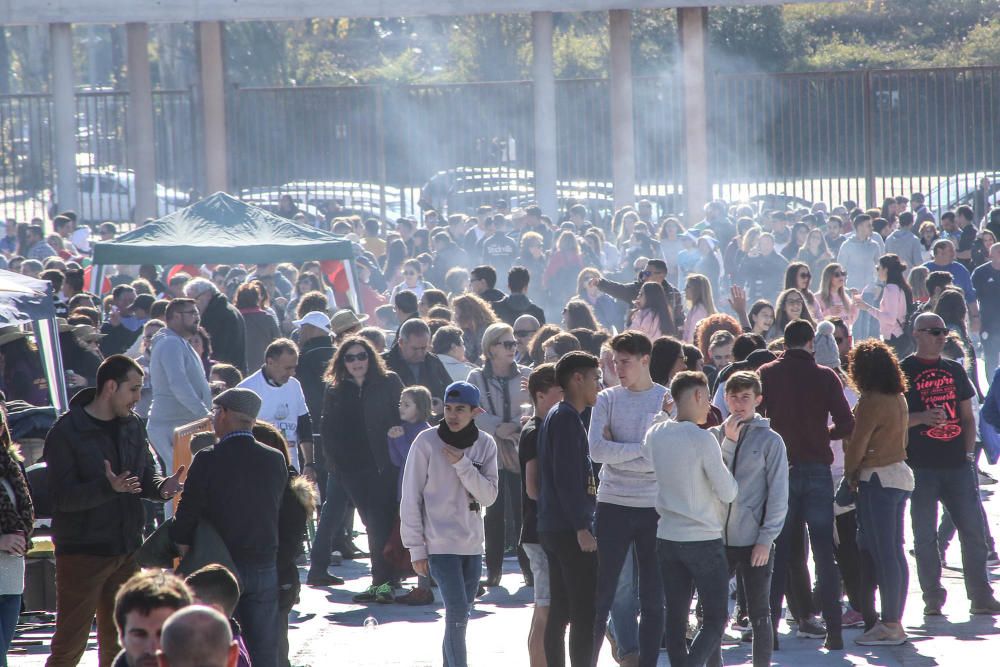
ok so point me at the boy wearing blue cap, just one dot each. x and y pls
(450, 476)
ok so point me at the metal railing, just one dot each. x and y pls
(388, 150)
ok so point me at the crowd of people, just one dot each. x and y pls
(636, 411)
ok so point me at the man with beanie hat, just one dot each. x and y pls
(450, 477)
(237, 486)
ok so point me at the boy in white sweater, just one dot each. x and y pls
(449, 478)
(693, 488)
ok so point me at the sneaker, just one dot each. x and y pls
(810, 629)
(992, 560)
(323, 579)
(990, 607)
(416, 597)
(834, 643)
(882, 635)
(852, 619)
(986, 479)
(368, 595)
(741, 624)
(384, 595)
(933, 609)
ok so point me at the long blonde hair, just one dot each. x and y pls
(702, 289)
(824, 295)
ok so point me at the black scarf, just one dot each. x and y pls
(459, 439)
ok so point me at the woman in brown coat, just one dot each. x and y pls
(875, 464)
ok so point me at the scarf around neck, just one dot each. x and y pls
(461, 439)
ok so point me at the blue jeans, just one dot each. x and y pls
(331, 523)
(958, 491)
(621, 532)
(880, 531)
(810, 501)
(257, 611)
(623, 622)
(686, 567)
(10, 609)
(457, 578)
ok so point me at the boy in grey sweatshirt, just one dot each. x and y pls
(756, 456)
(449, 477)
(625, 524)
(693, 487)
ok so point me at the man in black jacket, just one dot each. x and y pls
(518, 303)
(100, 468)
(411, 360)
(483, 283)
(222, 321)
(655, 271)
(237, 486)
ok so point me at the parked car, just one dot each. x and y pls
(960, 189)
(109, 195)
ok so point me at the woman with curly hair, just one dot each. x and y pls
(875, 464)
(708, 326)
(473, 316)
(536, 348)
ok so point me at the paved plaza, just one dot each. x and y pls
(329, 629)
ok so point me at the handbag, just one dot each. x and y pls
(396, 555)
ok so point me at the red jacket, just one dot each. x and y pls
(800, 397)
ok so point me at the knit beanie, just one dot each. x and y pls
(825, 347)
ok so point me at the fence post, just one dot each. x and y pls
(543, 88)
(622, 117)
(868, 134)
(692, 27)
(212, 89)
(139, 118)
(64, 118)
(380, 148)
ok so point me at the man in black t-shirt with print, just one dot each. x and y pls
(942, 439)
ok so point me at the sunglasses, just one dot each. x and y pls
(508, 344)
(525, 333)
(934, 331)
(360, 356)
(805, 275)
(839, 274)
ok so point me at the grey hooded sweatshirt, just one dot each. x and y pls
(760, 465)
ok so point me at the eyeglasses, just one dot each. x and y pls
(934, 331)
(525, 333)
(508, 344)
(360, 356)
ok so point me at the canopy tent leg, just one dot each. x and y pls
(47, 337)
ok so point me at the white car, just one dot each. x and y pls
(960, 189)
(108, 195)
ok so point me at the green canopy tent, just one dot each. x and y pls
(221, 229)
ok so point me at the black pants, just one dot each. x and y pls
(505, 511)
(757, 584)
(573, 588)
(850, 562)
(374, 494)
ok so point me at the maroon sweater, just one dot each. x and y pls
(800, 396)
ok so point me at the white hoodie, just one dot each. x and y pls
(440, 512)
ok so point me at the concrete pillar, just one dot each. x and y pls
(141, 133)
(622, 119)
(692, 27)
(212, 97)
(64, 116)
(544, 97)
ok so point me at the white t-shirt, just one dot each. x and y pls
(281, 407)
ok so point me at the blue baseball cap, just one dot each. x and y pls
(462, 392)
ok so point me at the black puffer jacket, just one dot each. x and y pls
(226, 327)
(89, 517)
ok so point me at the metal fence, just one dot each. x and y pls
(383, 150)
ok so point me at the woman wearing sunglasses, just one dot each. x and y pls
(502, 387)
(359, 408)
(833, 298)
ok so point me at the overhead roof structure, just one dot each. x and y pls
(13, 12)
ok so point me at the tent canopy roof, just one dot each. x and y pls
(23, 299)
(221, 229)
